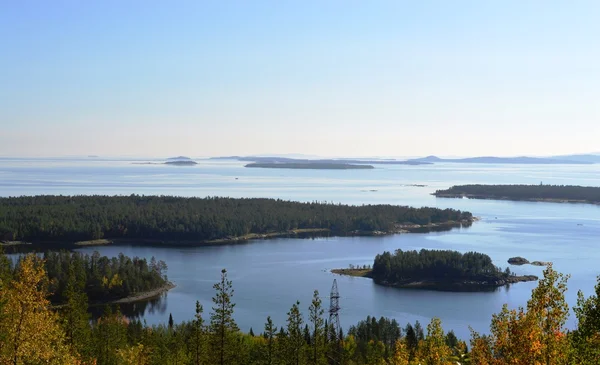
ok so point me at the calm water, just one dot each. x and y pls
(269, 276)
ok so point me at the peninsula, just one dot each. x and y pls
(535, 193)
(66, 220)
(308, 165)
(437, 270)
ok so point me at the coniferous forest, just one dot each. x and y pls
(102, 278)
(584, 194)
(434, 265)
(78, 218)
(31, 332)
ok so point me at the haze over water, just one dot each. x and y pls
(269, 276)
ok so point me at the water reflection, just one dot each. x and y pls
(156, 307)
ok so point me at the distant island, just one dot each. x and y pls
(288, 160)
(181, 163)
(510, 160)
(310, 165)
(178, 158)
(173, 162)
(437, 270)
(536, 193)
(88, 220)
(555, 160)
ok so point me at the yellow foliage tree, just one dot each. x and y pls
(132, 355)
(31, 331)
(401, 354)
(435, 351)
(536, 336)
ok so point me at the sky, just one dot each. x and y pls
(325, 77)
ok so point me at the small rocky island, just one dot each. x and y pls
(437, 270)
(523, 261)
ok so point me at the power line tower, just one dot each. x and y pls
(334, 308)
(334, 323)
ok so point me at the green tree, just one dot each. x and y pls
(316, 320)
(198, 336)
(222, 324)
(270, 333)
(586, 338)
(75, 318)
(295, 339)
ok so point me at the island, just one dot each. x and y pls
(178, 158)
(181, 163)
(535, 193)
(441, 270)
(524, 160)
(308, 165)
(275, 159)
(86, 220)
(523, 261)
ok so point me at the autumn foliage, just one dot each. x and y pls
(31, 332)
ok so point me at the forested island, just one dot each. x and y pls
(437, 270)
(308, 165)
(545, 193)
(167, 219)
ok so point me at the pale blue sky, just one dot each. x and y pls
(332, 78)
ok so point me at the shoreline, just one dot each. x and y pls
(137, 297)
(294, 233)
(436, 285)
(506, 198)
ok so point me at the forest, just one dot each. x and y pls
(570, 193)
(434, 265)
(101, 278)
(50, 218)
(32, 332)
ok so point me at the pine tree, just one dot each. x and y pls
(270, 331)
(316, 319)
(222, 324)
(171, 321)
(295, 340)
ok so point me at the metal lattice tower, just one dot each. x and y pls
(334, 309)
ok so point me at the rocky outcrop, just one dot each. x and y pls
(518, 261)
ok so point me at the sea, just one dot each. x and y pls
(270, 275)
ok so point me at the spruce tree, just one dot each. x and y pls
(198, 333)
(75, 317)
(222, 324)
